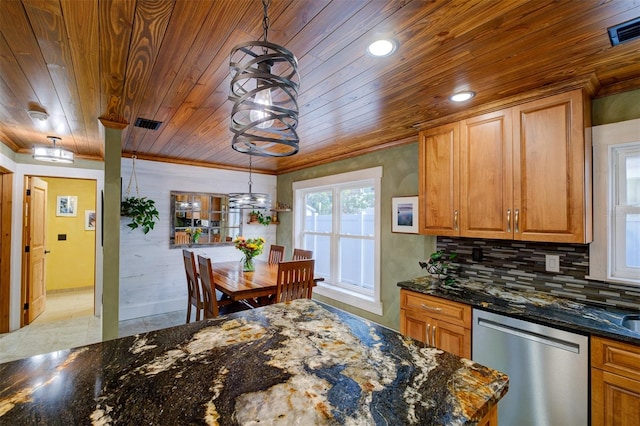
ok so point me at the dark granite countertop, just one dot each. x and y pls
(301, 362)
(533, 306)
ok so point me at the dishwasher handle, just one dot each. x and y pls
(526, 334)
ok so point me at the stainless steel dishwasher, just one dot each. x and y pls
(548, 370)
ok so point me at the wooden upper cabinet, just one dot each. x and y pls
(552, 189)
(486, 182)
(520, 173)
(439, 152)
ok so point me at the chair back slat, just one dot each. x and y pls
(295, 280)
(276, 254)
(193, 286)
(300, 254)
(209, 301)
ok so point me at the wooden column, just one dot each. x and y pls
(111, 230)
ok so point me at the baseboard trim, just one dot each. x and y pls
(149, 309)
(69, 290)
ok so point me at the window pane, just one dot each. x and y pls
(356, 262)
(320, 245)
(318, 211)
(632, 241)
(633, 180)
(357, 211)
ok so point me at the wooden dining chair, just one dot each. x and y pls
(300, 254)
(211, 305)
(209, 299)
(276, 254)
(193, 285)
(295, 280)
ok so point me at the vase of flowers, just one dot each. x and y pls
(194, 234)
(250, 247)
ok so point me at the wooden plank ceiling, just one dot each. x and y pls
(168, 60)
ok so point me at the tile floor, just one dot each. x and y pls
(68, 322)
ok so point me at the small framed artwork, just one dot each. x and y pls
(404, 215)
(89, 220)
(67, 205)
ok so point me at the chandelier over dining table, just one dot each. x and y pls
(264, 90)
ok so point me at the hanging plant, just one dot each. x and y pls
(141, 210)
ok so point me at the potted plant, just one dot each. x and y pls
(141, 210)
(440, 265)
(257, 216)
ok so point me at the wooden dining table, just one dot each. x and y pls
(236, 284)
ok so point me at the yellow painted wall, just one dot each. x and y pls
(70, 263)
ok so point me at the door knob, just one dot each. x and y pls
(47, 251)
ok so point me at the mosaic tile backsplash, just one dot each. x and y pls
(521, 265)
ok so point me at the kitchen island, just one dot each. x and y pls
(300, 362)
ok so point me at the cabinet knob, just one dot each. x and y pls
(455, 220)
(517, 217)
(508, 220)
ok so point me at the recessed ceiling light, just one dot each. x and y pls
(382, 47)
(462, 96)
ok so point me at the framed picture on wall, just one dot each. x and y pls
(404, 215)
(89, 220)
(67, 205)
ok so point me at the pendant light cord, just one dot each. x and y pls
(265, 20)
(250, 182)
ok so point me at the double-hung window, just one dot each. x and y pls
(338, 218)
(625, 247)
(614, 254)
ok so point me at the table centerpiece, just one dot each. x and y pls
(250, 247)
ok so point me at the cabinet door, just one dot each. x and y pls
(615, 400)
(551, 189)
(414, 325)
(486, 182)
(439, 153)
(451, 338)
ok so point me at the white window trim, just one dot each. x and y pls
(605, 137)
(343, 295)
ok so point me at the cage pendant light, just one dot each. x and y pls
(249, 200)
(264, 91)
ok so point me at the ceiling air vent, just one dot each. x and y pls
(626, 31)
(145, 123)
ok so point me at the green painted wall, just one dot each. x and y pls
(400, 253)
(612, 109)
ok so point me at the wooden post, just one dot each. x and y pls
(111, 230)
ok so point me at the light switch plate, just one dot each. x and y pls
(552, 263)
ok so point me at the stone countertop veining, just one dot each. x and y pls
(530, 306)
(301, 362)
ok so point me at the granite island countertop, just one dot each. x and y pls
(302, 362)
(539, 307)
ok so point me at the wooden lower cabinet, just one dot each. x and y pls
(615, 383)
(437, 322)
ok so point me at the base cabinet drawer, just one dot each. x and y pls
(436, 322)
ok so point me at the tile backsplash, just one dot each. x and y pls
(521, 265)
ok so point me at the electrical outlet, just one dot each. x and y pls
(552, 263)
